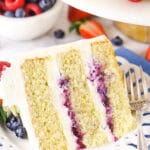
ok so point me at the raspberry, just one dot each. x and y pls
(14, 4)
(2, 7)
(32, 9)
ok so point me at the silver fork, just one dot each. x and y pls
(138, 101)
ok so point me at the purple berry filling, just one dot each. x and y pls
(63, 84)
(98, 78)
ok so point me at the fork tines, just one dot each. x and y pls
(135, 85)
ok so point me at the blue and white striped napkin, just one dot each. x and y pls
(133, 58)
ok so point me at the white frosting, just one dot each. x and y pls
(13, 85)
(54, 76)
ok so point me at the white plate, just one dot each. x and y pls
(8, 141)
(118, 10)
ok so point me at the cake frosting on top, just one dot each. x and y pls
(71, 96)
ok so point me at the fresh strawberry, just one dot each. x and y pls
(76, 14)
(135, 0)
(88, 29)
(147, 56)
(1, 102)
(3, 64)
(91, 29)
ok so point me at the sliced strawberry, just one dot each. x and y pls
(91, 29)
(135, 0)
(3, 64)
(76, 14)
(147, 55)
(88, 28)
(1, 102)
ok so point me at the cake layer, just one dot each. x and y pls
(136, 32)
(44, 116)
(86, 113)
(113, 95)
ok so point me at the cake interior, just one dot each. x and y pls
(87, 115)
(88, 94)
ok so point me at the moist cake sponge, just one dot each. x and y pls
(71, 97)
(118, 99)
(88, 115)
(47, 127)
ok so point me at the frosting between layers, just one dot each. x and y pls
(87, 113)
(58, 102)
(75, 128)
(119, 102)
(88, 60)
(98, 78)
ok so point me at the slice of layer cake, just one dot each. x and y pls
(71, 96)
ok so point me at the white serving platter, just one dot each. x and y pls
(118, 10)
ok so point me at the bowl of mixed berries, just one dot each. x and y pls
(27, 19)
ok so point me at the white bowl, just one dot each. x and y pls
(29, 27)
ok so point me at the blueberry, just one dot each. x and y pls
(20, 12)
(46, 4)
(53, 1)
(32, 1)
(13, 122)
(9, 14)
(117, 41)
(21, 132)
(59, 34)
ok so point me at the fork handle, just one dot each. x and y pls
(141, 141)
(141, 145)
